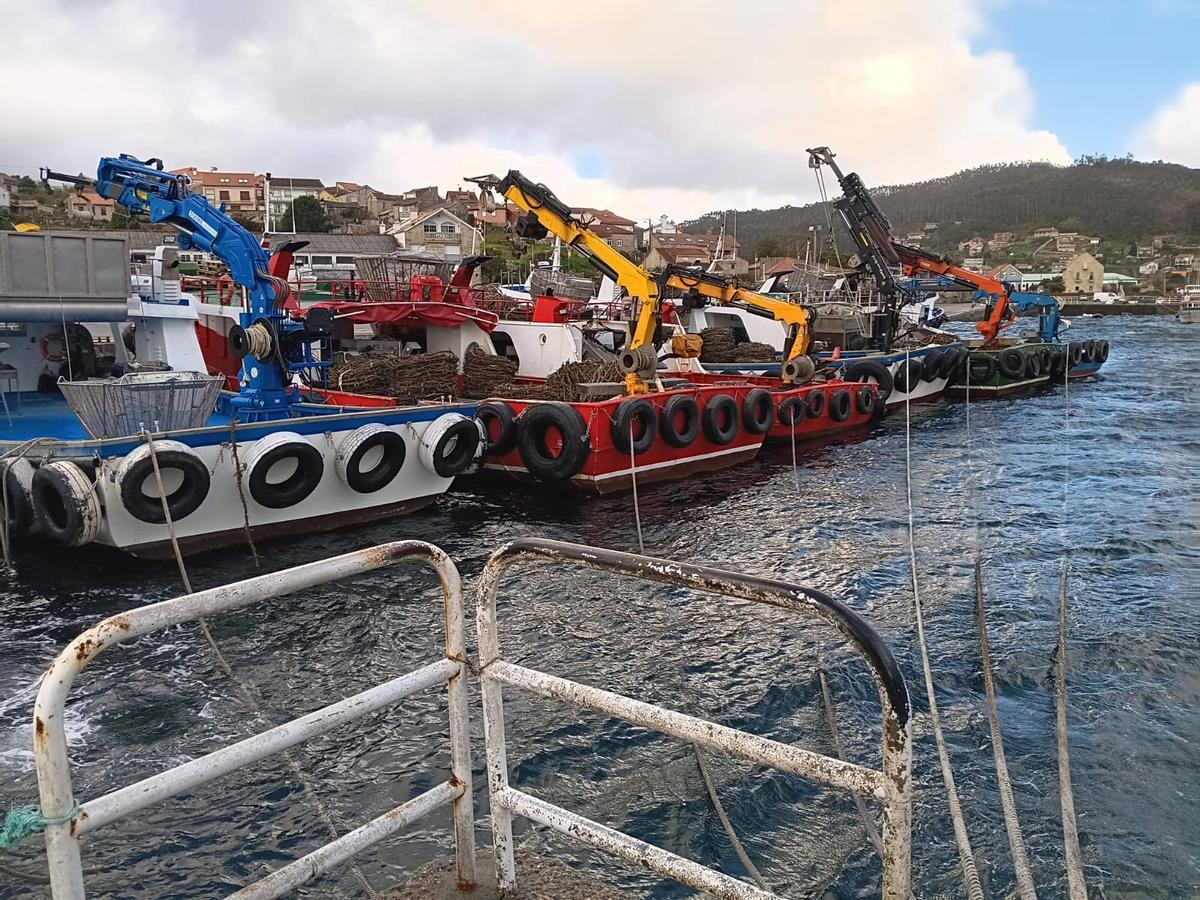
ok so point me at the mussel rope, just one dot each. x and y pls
(868, 820)
(227, 669)
(962, 839)
(238, 472)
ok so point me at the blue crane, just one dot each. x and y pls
(272, 345)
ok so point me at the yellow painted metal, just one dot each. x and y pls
(724, 291)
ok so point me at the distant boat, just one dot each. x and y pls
(1189, 312)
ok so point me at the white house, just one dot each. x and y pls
(439, 232)
(285, 190)
(1149, 268)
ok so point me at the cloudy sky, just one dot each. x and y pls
(646, 107)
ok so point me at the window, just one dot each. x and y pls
(224, 181)
(449, 228)
(430, 228)
(322, 260)
(345, 260)
(299, 261)
(224, 196)
(245, 196)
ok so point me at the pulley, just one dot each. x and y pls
(256, 341)
(642, 362)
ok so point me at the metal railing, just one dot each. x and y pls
(53, 766)
(891, 784)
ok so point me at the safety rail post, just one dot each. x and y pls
(50, 747)
(892, 784)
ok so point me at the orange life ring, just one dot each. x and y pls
(44, 347)
(225, 289)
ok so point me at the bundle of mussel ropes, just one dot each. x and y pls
(720, 345)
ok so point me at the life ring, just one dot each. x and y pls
(17, 483)
(1076, 354)
(638, 416)
(54, 356)
(720, 419)
(505, 421)
(358, 445)
(225, 290)
(66, 507)
(758, 411)
(865, 371)
(533, 428)
(282, 447)
(815, 405)
(792, 410)
(1101, 352)
(679, 406)
(1033, 365)
(931, 364)
(981, 367)
(1012, 363)
(449, 445)
(864, 400)
(908, 374)
(839, 405)
(136, 474)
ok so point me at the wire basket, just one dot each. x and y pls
(157, 401)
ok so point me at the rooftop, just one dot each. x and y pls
(362, 244)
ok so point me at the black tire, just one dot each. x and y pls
(629, 411)
(182, 502)
(720, 419)
(1089, 348)
(310, 467)
(792, 410)
(1102, 351)
(1012, 363)
(1075, 351)
(506, 420)
(1046, 358)
(674, 434)
(839, 405)
(864, 371)
(958, 373)
(532, 428)
(981, 367)
(17, 508)
(908, 375)
(1033, 365)
(931, 364)
(758, 411)
(58, 517)
(380, 475)
(814, 405)
(864, 400)
(456, 448)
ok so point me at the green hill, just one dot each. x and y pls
(1118, 200)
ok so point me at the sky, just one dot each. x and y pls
(670, 107)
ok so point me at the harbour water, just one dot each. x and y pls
(1112, 488)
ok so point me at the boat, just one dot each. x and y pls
(127, 441)
(1189, 312)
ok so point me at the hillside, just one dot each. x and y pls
(1118, 200)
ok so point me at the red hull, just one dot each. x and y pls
(607, 469)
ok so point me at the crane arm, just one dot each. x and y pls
(545, 213)
(726, 290)
(999, 312)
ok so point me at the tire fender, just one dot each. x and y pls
(310, 466)
(65, 504)
(356, 445)
(137, 470)
(449, 445)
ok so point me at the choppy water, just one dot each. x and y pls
(1130, 528)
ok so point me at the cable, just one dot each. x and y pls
(1076, 886)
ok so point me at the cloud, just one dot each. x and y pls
(1173, 132)
(678, 107)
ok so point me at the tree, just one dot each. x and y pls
(304, 214)
(1054, 285)
(25, 183)
(248, 222)
(769, 246)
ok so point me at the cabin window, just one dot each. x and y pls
(345, 260)
(322, 260)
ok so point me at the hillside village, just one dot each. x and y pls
(345, 220)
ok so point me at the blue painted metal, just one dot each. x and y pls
(141, 186)
(1049, 314)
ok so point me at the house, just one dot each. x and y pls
(974, 245)
(505, 214)
(1045, 232)
(766, 266)
(90, 206)
(616, 231)
(931, 226)
(695, 250)
(284, 190)
(240, 192)
(1158, 240)
(914, 238)
(1146, 251)
(439, 232)
(1149, 268)
(1006, 273)
(1003, 238)
(1065, 241)
(5, 196)
(974, 264)
(1185, 260)
(462, 203)
(1083, 274)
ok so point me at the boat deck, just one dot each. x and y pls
(48, 416)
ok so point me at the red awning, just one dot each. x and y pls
(416, 312)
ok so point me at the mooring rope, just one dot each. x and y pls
(637, 512)
(1016, 842)
(961, 837)
(237, 474)
(868, 820)
(714, 798)
(227, 669)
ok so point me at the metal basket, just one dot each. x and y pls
(158, 401)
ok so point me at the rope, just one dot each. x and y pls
(227, 669)
(23, 821)
(1016, 843)
(1076, 887)
(868, 821)
(637, 513)
(738, 848)
(965, 855)
(238, 471)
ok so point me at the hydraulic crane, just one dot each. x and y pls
(272, 345)
(546, 214)
(797, 368)
(881, 255)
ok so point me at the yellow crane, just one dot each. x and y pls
(546, 214)
(797, 367)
